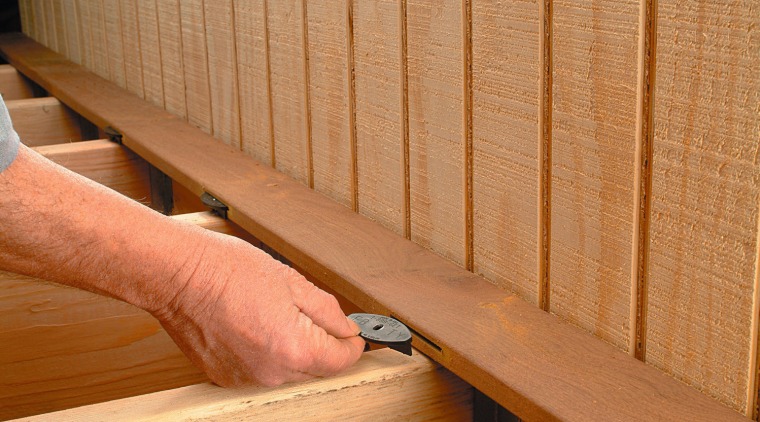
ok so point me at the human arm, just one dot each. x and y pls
(239, 315)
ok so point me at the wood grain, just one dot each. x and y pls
(115, 54)
(104, 162)
(50, 24)
(436, 132)
(379, 120)
(532, 363)
(93, 18)
(39, 28)
(44, 121)
(130, 34)
(593, 144)
(505, 74)
(195, 64)
(412, 389)
(329, 84)
(706, 187)
(71, 28)
(85, 33)
(13, 86)
(25, 14)
(62, 347)
(222, 68)
(253, 79)
(288, 78)
(171, 47)
(150, 51)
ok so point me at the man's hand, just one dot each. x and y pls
(238, 314)
(245, 318)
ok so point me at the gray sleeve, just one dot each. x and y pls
(8, 138)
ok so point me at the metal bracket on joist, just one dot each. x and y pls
(113, 135)
(216, 205)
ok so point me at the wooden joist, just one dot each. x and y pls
(62, 347)
(104, 162)
(529, 361)
(44, 121)
(382, 385)
(13, 85)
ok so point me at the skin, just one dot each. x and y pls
(238, 314)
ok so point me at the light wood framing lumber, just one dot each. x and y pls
(13, 86)
(104, 162)
(382, 385)
(62, 347)
(529, 361)
(44, 121)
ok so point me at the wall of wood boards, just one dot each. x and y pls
(599, 158)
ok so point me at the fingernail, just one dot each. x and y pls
(356, 328)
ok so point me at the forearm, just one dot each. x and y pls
(61, 227)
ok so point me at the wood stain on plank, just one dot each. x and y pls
(329, 98)
(379, 120)
(593, 142)
(436, 143)
(505, 74)
(706, 185)
(253, 80)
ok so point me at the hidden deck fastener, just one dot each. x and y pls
(113, 135)
(216, 205)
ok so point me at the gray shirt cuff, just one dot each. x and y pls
(9, 140)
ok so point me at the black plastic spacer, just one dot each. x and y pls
(113, 134)
(216, 205)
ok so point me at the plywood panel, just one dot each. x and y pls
(131, 41)
(222, 68)
(253, 79)
(706, 188)
(72, 28)
(593, 143)
(505, 148)
(25, 13)
(379, 117)
(288, 79)
(114, 43)
(173, 73)
(195, 64)
(436, 132)
(150, 51)
(329, 98)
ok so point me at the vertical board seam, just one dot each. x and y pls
(544, 153)
(351, 76)
(405, 119)
(123, 51)
(273, 160)
(208, 70)
(236, 75)
(642, 187)
(467, 133)
(754, 359)
(181, 60)
(306, 89)
(105, 36)
(160, 56)
(139, 46)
